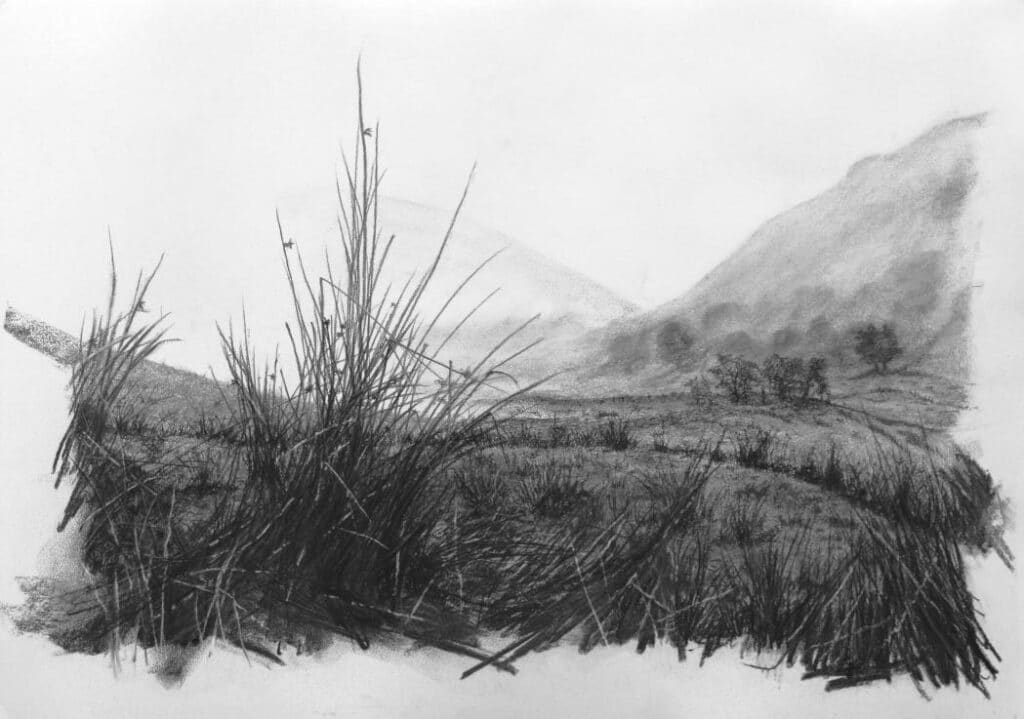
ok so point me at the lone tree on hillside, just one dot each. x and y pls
(878, 346)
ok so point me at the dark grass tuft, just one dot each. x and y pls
(616, 435)
(827, 473)
(760, 448)
(553, 492)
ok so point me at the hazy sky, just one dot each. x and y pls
(637, 142)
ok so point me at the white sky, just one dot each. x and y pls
(639, 143)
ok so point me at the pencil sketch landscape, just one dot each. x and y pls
(766, 465)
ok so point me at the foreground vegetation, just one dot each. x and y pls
(362, 488)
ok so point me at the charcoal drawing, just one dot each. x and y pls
(414, 438)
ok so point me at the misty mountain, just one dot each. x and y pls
(890, 242)
(527, 282)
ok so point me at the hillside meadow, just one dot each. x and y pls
(360, 486)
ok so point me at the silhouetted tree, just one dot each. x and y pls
(782, 376)
(792, 379)
(878, 346)
(736, 376)
(814, 380)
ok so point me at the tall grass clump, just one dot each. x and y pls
(899, 603)
(336, 517)
(953, 497)
(116, 345)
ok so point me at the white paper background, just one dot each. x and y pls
(637, 144)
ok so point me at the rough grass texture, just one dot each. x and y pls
(365, 489)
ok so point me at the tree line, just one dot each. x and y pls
(794, 379)
(786, 379)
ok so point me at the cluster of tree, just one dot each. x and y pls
(787, 379)
(878, 346)
(793, 379)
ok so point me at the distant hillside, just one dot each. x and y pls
(529, 283)
(884, 244)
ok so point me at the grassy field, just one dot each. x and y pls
(770, 524)
(364, 489)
